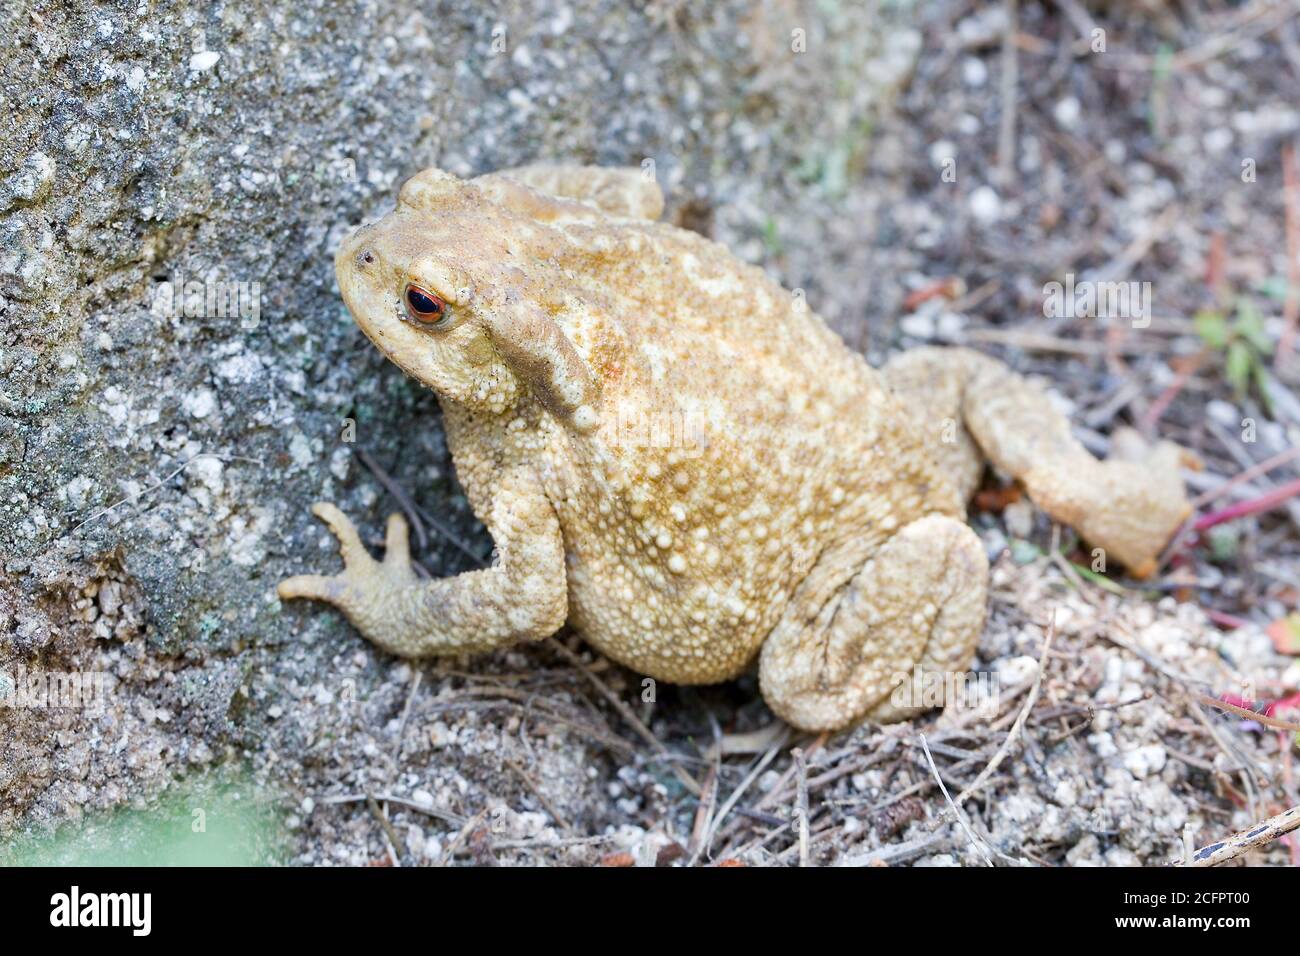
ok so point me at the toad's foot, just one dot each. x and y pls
(365, 588)
(522, 597)
(854, 632)
(1129, 505)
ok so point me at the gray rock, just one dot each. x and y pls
(176, 367)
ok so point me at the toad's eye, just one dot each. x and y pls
(424, 306)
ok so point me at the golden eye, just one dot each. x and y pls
(423, 306)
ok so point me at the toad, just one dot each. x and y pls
(678, 458)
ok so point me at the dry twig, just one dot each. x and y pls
(1018, 727)
(961, 817)
(801, 804)
(1234, 846)
(644, 732)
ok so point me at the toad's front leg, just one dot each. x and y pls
(522, 597)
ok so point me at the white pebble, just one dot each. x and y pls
(985, 205)
(202, 62)
(1067, 112)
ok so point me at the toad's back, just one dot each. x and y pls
(739, 439)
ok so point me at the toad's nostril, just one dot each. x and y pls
(365, 257)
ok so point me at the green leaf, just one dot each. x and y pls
(1261, 386)
(1240, 363)
(1164, 61)
(1099, 579)
(1024, 552)
(1250, 326)
(1224, 544)
(809, 169)
(1212, 328)
(835, 165)
(1274, 287)
(771, 238)
(239, 827)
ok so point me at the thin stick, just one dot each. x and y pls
(1250, 24)
(1246, 767)
(1182, 376)
(450, 818)
(1010, 79)
(801, 803)
(768, 799)
(1291, 304)
(1229, 848)
(550, 844)
(464, 833)
(898, 852)
(417, 515)
(396, 849)
(398, 492)
(731, 801)
(961, 817)
(1264, 719)
(626, 713)
(1014, 733)
(1038, 342)
(406, 716)
(536, 789)
(974, 298)
(154, 487)
(704, 814)
(1068, 569)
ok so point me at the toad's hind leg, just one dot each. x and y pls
(933, 396)
(1128, 505)
(857, 627)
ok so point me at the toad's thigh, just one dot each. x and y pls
(852, 635)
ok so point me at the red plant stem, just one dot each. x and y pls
(1258, 713)
(1281, 458)
(1182, 376)
(1223, 619)
(1286, 703)
(1241, 509)
(1291, 304)
(1266, 708)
